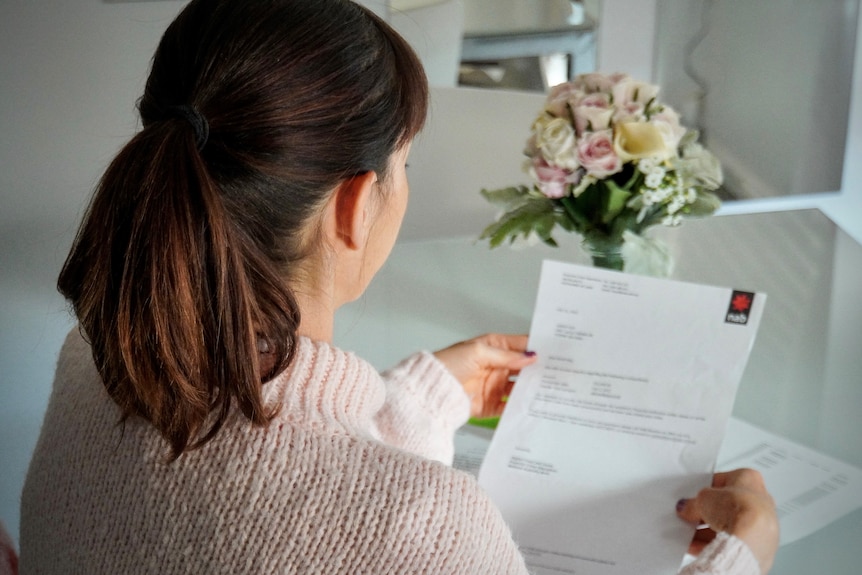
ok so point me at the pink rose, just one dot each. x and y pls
(593, 113)
(562, 91)
(597, 156)
(630, 112)
(597, 100)
(561, 97)
(595, 82)
(592, 119)
(553, 181)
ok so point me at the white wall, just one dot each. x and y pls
(434, 29)
(846, 208)
(72, 70)
(626, 37)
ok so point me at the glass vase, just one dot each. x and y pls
(632, 253)
(605, 252)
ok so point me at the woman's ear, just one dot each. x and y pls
(353, 210)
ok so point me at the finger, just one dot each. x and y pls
(512, 342)
(511, 360)
(705, 535)
(687, 510)
(505, 392)
(723, 508)
(516, 342)
(496, 389)
(702, 538)
(491, 407)
(497, 386)
(745, 478)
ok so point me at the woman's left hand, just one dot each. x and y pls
(485, 365)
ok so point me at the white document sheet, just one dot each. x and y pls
(622, 415)
(810, 489)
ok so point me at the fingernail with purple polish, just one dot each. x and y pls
(680, 505)
(530, 353)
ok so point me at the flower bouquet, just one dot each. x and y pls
(607, 160)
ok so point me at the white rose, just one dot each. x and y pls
(667, 121)
(629, 90)
(556, 141)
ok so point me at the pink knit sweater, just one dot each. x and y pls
(351, 477)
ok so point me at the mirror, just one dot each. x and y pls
(767, 83)
(512, 44)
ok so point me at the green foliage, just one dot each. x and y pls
(615, 201)
(524, 214)
(506, 198)
(706, 204)
(605, 209)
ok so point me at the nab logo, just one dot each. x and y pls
(740, 307)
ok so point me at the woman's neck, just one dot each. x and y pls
(317, 313)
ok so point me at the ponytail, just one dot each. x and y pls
(176, 302)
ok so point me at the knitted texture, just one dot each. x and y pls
(725, 554)
(316, 491)
(343, 481)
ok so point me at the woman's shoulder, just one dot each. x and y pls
(371, 504)
(424, 512)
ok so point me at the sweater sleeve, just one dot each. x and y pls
(725, 555)
(424, 406)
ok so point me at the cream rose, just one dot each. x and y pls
(636, 140)
(555, 139)
(629, 90)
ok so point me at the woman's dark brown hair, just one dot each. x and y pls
(179, 274)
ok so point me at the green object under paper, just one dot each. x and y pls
(487, 422)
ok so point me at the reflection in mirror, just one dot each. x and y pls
(527, 44)
(524, 45)
(767, 83)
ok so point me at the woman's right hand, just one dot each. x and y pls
(739, 504)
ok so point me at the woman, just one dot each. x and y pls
(201, 421)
